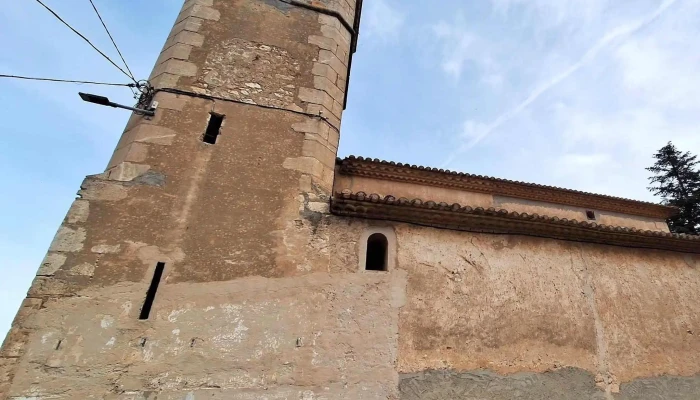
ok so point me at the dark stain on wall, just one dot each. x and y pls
(661, 387)
(562, 384)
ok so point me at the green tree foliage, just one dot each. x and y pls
(677, 180)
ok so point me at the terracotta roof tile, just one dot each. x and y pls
(389, 170)
(459, 217)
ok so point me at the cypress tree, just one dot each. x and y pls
(677, 181)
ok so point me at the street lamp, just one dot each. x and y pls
(103, 101)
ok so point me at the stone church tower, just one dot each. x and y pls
(226, 253)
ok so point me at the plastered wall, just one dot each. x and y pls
(461, 315)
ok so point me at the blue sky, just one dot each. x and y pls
(573, 93)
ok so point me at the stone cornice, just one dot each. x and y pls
(465, 218)
(384, 170)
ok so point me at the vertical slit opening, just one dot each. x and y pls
(151, 294)
(377, 252)
(591, 215)
(213, 128)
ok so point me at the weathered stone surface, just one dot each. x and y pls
(106, 248)
(84, 269)
(52, 262)
(251, 334)
(100, 190)
(68, 239)
(79, 211)
(243, 70)
(126, 171)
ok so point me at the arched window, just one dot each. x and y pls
(377, 253)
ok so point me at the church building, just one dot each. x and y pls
(226, 253)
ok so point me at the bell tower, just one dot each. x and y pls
(193, 266)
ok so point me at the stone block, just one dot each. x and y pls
(343, 55)
(320, 207)
(199, 11)
(132, 152)
(165, 81)
(338, 108)
(326, 180)
(100, 190)
(316, 96)
(323, 42)
(317, 150)
(325, 113)
(49, 286)
(313, 126)
(136, 152)
(305, 183)
(325, 71)
(332, 32)
(185, 37)
(324, 84)
(330, 21)
(78, 212)
(106, 249)
(84, 269)
(178, 51)
(190, 24)
(68, 239)
(329, 58)
(126, 171)
(190, 3)
(52, 263)
(176, 67)
(333, 137)
(307, 165)
(342, 84)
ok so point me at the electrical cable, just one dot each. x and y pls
(112, 39)
(67, 81)
(86, 39)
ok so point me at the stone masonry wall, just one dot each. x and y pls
(252, 205)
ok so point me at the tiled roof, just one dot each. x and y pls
(386, 170)
(458, 217)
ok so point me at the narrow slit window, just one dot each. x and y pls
(213, 128)
(377, 253)
(591, 215)
(151, 294)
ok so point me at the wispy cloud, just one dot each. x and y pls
(605, 41)
(382, 20)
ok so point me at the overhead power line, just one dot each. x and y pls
(86, 39)
(30, 78)
(112, 39)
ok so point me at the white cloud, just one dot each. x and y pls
(551, 13)
(662, 70)
(456, 44)
(460, 48)
(382, 20)
(619, 32)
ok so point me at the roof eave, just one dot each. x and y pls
(385, 170)
(465, 218)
